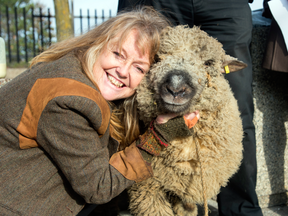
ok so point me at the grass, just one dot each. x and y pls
(17, 65)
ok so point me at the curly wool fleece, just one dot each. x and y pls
(186, 78)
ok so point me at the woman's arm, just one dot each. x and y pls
(68, 130)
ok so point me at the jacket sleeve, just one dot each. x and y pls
(130, 163)
(69, 131)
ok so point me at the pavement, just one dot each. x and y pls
(271, 211)
(13, 72)
(213, 210)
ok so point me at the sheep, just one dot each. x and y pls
(187, 77)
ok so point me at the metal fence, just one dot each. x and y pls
(29, 32)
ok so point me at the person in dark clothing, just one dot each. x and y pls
(231, 23)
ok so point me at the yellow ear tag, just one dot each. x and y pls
(227, 69)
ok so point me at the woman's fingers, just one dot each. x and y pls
(189, 118)
(192, 115)
(161, 119)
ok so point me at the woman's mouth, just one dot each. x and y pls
(115, 81)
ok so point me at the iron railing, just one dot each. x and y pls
(29, 32)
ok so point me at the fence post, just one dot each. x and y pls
(33, 32)
(41, 31)
(16, 33)
(81, 21)
(88, 19)
(25, 34)
(8, 33)
(95, 17)
(49, 27)
(2, 58)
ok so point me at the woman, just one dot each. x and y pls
(58, 137)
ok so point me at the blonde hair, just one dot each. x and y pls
(88, 47)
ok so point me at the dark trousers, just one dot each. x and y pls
(87, 210)
(230, 22)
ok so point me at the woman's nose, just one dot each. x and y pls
(123, 70)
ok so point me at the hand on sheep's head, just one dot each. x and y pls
(164, 129)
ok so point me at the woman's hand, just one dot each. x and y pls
(189, 118)
(171, 126)
(164, 129)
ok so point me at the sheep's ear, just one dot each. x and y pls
(231, 64)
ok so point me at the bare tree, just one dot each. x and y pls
(63, 20)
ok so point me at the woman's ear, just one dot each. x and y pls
(231, 64)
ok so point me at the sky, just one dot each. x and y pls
(100, 5)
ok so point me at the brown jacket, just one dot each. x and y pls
(55, 146)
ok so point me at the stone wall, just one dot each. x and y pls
(271, 121)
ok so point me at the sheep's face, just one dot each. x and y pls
(180, 83)
(176, 90)
(188, 62)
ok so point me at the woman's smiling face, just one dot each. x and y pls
(116, 73)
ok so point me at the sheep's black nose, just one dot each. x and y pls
(175, 91)
(176, 86)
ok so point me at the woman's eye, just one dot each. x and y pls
(140, 69)
(119, 55)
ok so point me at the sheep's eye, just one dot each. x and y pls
(209, 62)
(156, 58)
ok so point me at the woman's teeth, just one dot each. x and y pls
(114, 81)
